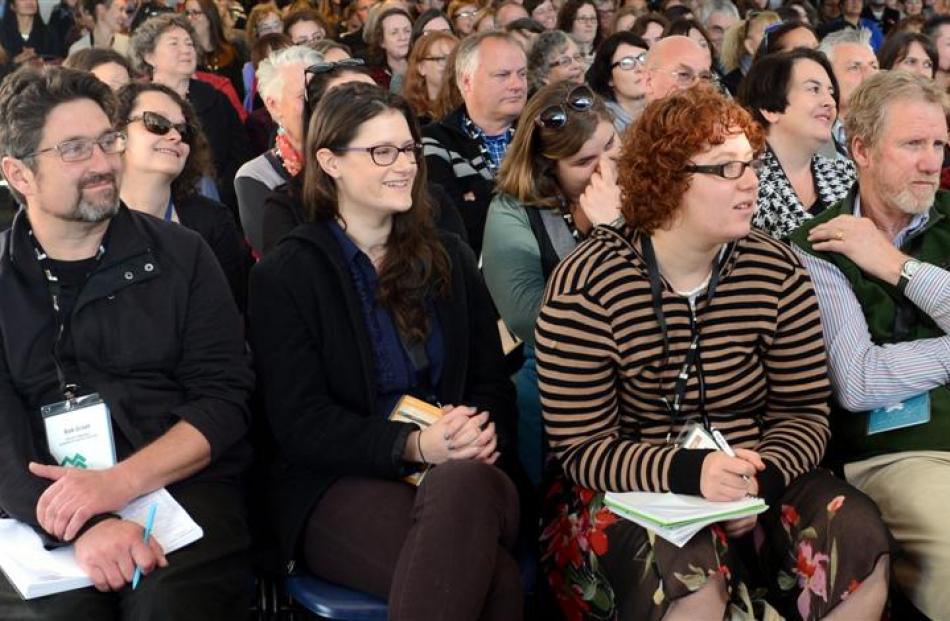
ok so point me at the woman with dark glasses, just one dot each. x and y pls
(686, 320)
(555, 184)
(364, 303)
(165, 156)
(617, 75)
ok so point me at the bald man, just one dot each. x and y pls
(674, 63)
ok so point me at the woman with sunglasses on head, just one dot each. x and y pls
(578, 18)
(794, 97)
(281, 82)
(554, 57)
(556, 183)
(617, 75)
(283, 207)
(426, 71)
(686, 318)
(362, 304)
(165, 156)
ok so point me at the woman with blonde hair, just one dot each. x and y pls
(739, 45)
(427, 71)
(556, 183)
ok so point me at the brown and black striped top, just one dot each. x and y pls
(602, 375)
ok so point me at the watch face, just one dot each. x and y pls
(910, 268)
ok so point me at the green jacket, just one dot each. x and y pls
(891, 318)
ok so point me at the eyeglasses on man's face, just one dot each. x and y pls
(386, 154)
(687, 77)
(80, 149)
(727, 170)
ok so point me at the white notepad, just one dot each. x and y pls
(35, 571)
(678, 517)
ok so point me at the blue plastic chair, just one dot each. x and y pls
(332, 601)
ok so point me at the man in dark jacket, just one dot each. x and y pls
(464, 151)
(98, 299)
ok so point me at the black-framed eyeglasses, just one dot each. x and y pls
(386, 154)
(628, 63)
(80, 149)
(157, 124)
(581, 99)
(566, 60)
(727, 170)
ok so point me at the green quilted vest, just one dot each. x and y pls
(891, 318)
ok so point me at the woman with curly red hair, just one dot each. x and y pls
(686, 316)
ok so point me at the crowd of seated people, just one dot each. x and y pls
(576, 229)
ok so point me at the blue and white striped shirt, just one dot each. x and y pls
(865, 376)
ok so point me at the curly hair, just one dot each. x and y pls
(145, 39)
(199, 162)
(670, 132)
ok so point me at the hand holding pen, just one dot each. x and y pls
(729, 474)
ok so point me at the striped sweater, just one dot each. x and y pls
(602, 376)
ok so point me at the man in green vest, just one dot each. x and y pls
(878, 260)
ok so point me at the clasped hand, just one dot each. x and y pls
(726, 478)
(75, 496)
(461, 433)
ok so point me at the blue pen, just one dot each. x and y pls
(149, 522)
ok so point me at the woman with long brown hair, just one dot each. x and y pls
(362, 304)
(218, 54)
(426, 72)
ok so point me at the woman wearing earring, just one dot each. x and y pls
(165, 156)
(556, 183)
(281, 83)
(362, 304)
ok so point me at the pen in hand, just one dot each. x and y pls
(149, 522)
(725, 448)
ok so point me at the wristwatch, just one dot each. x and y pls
(908, 269)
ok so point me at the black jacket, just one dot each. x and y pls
(283, 212)
(154, 330)
(215, 223)
(230, 146)
(454, 160)
(40, 39)
(317, 381)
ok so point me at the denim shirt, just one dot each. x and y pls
(395, 373)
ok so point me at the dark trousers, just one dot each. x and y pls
(210, 579)
(439, 552)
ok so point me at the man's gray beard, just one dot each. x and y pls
(93, 212)
(908, 203)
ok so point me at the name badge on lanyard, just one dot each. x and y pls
(79, 432)
(907, 413)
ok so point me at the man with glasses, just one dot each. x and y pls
(675, 63)
(123, 326)
(464, 150)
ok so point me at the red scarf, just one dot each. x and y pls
(289, 156)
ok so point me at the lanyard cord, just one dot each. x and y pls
(693, 353)
(55, 291)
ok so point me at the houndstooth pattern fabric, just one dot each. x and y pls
(779, 211)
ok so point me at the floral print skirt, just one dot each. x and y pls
(806, 555)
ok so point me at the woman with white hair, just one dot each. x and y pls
(281, 83)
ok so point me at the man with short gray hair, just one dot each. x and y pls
(878, 262)
(465, 149)
(852, 61)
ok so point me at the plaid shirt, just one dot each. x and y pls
(493, 147)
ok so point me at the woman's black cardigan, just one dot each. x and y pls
(316, 379)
